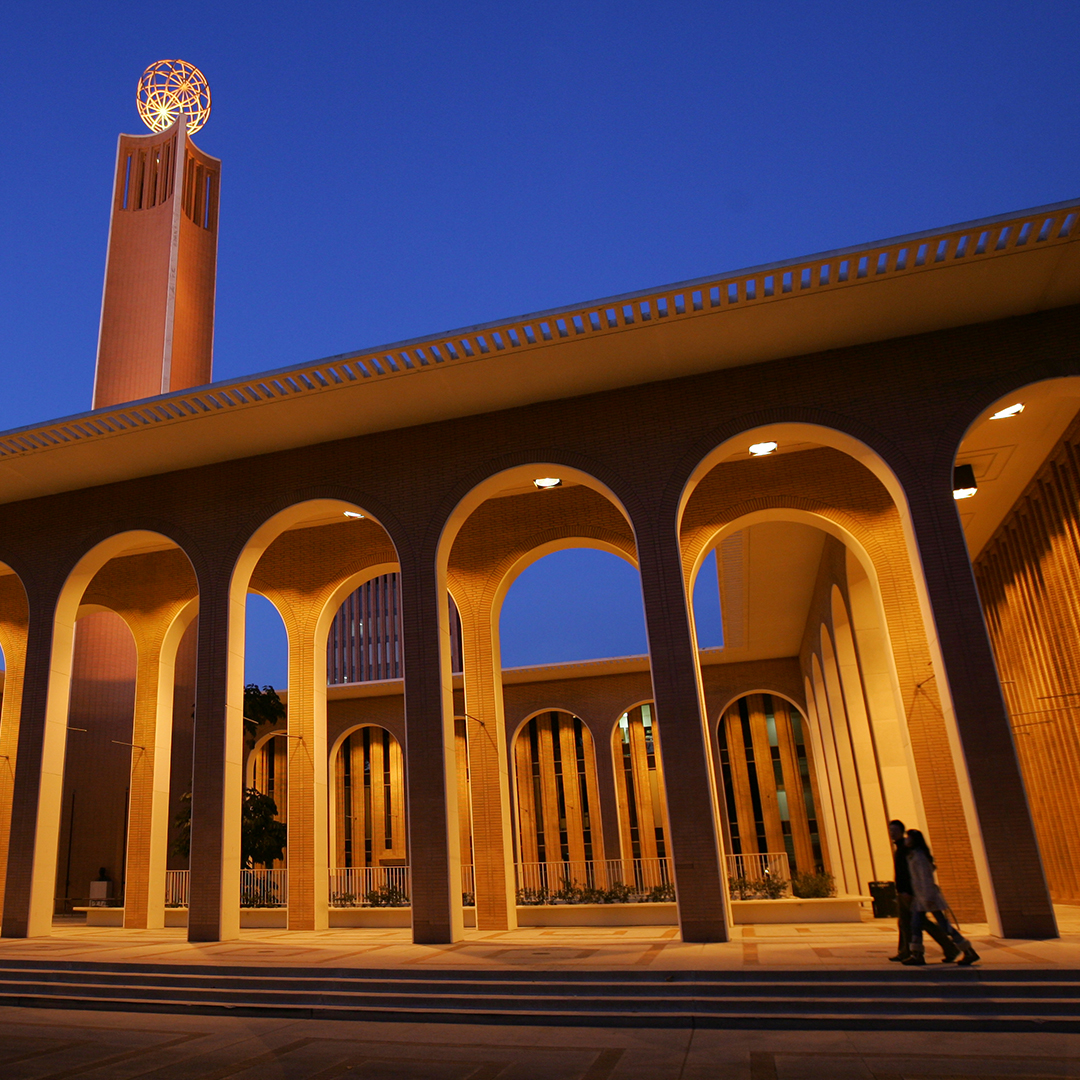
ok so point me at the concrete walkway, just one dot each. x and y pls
(815, 945)
(55, 1044)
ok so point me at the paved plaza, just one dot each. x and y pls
(50, 1044)
(39, 1044)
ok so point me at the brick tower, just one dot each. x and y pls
(157, 312)
(156, 336)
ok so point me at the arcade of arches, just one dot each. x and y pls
(823, 714)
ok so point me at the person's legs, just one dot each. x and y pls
(943, 935)
(903, 927)
(961, 942)
(916, 959)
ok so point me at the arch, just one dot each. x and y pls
(304, 595)
(887, 466)
(777, 798)
(863, 744)
(383, 802)
(637, 760)
(558, 822)
(1021, 529)
(148, 771)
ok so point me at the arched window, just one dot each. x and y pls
(769, 786)
(639, 784)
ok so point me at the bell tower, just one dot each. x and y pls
(157, 311)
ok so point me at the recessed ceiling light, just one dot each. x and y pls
(964, 485)
(353, 514)
(545, 482)
(1012, 410)
(760, 449)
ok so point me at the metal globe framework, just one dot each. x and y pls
(169, 88)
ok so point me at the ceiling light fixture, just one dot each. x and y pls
(963, 482)
(760, 449)
(1012, 410)
(546, 482)
(353, 514)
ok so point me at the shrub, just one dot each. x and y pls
(661, 894)
(343, 899)
(812, 885)
(387, 896)
(769, 887)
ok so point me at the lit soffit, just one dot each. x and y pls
(1006, 453)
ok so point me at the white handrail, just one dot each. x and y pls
(370, 886)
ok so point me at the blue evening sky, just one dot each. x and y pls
(394, 169)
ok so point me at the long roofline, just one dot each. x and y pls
(995, 268)
(1059, 224)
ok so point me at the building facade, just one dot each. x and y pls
(857, 682)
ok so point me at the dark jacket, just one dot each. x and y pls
(901, 870)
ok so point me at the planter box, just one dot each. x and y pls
(794, 910)
(597, 914)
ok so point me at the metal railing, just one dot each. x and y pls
(577, 880)
(468, 885)
(258, 888)
(759, 876)
(264, 888)
(177, 888)
(370, 886)
(976, 241)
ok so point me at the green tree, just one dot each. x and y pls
(262, 836)
(261, 706)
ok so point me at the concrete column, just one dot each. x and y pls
(148, 813)
(13, 642)
(489, 779)
(307, 853)
(991, 785)
(430, 767)
(689, 777)
(39, 777)
(217, 765)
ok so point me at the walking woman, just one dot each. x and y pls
(929, 901)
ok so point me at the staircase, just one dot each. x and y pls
(945, 999)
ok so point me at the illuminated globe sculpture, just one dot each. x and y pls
(169, 88)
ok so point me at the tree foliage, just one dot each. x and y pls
(261, 706)
(262, 836)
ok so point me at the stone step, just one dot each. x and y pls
(930, 999)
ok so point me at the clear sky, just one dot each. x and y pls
(394, 169)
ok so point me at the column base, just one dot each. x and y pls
(705, 930)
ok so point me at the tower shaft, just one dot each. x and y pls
(157, 311)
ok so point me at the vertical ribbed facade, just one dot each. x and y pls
(1029, 580)
(364, 644)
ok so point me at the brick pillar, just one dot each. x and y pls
(430, 766)
(307, 856)
(151, 766)
(689, 780)
(489, 780)
(217, 765)
(39, 776)
(1011, 869)
(13, 642)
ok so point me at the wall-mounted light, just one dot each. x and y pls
(353, 514)
(546, 482)
(760, 449)
(963, 482)
(1012, 410)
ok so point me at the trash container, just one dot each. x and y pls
(883, 895)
